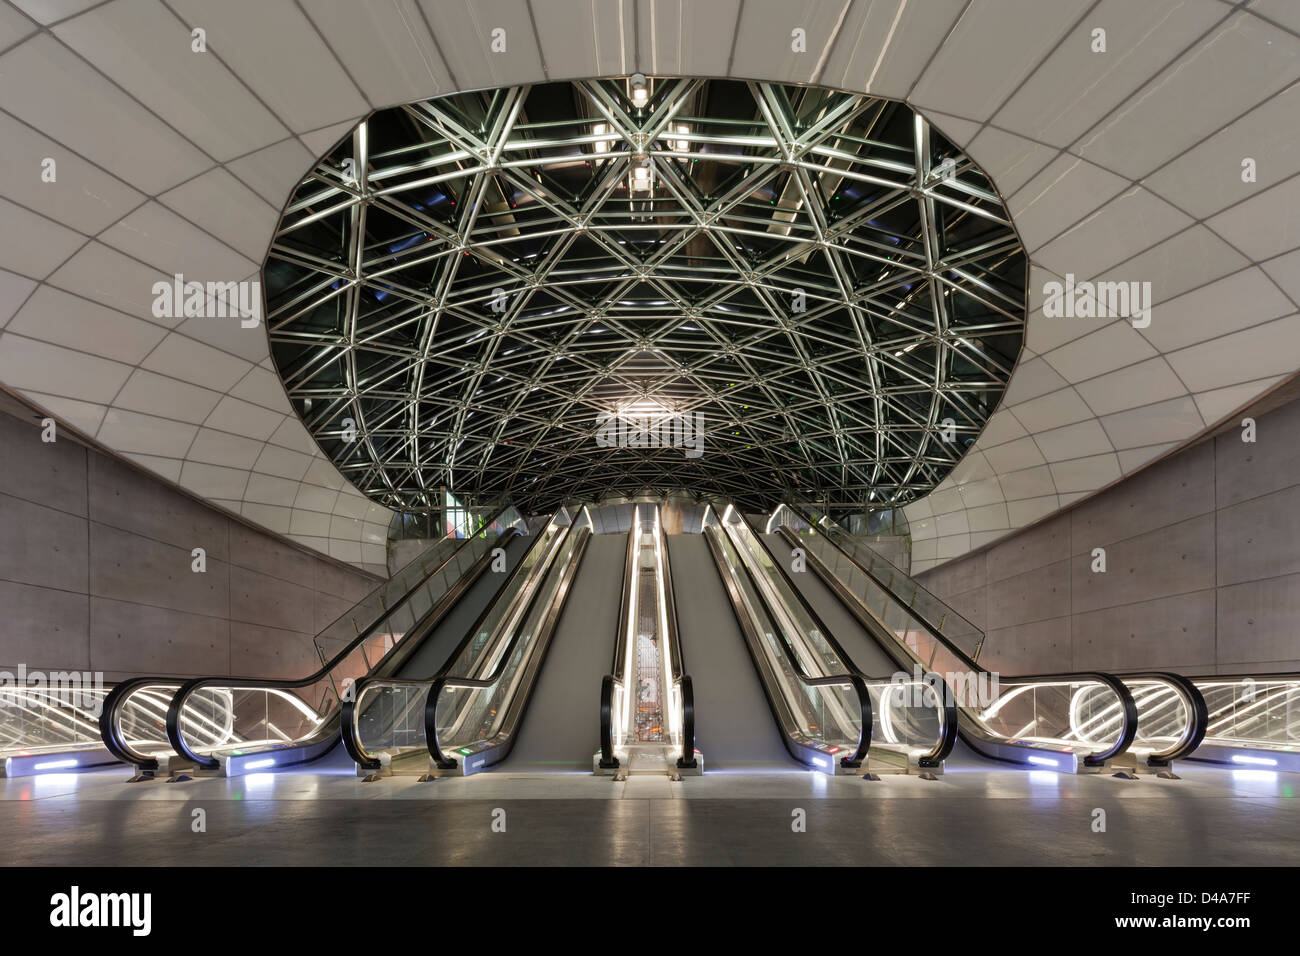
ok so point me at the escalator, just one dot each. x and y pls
(647, 700)
(466, 717)
(733, 722)
(561, 732)
(1074, 722)
(830, 715)
(230, 725)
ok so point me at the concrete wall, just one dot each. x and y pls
(1203, 568)
(95, 574)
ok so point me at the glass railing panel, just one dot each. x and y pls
(930, 653)
(1252, 712)
(536, 557)
(378, 602)
(1163, 715)
(1081, 715)
(907, 717)
(391, 716)
(38, 719)
(142, 718)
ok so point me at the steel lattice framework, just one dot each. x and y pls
(463, 286)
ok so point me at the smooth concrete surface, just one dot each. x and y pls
(864, 653)
(95, 574)
(561, 726)
(1202, 568)
(977, 814)
(435, 650)
(734, 728)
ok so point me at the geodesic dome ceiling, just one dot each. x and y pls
(465, 288)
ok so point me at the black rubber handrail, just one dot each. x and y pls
(400, 651)
(348, 718)
(679, 674)
(544, 632)
(754, 644)
(1199, 714)
(610, 682)
(116, 744)
(113, 740)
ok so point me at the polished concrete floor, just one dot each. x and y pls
(977, 814)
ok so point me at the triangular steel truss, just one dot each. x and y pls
(464, 286)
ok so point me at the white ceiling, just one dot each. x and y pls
(1123, 165)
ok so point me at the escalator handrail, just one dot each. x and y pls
(947, 705)
(679, 675)
(1112, 682)
(625, 597)
(853, 680)
(348, 725)
(1199, 715)
(613, 680)
(114, 742)
(429, 620)
(117, 745)
(544, 631)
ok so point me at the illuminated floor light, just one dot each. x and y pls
(54, 765)
(1044, 761)
(259, 764)
(1258, 761)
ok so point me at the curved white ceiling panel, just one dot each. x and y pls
(1117, 166)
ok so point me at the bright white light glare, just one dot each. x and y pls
(680, 145)
(1260, 761)
(643, 408)
(602, 145)
(640, 92)
(259, 764)
(54, 764)
(1044, 761)
(1269, 775)
(820, 762)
